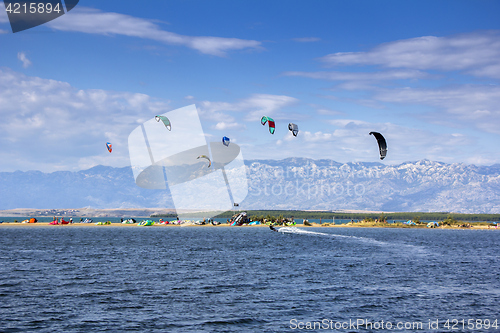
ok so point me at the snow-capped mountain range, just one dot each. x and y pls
(293, 183)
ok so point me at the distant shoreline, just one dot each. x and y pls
(225, 225)
(171, 213)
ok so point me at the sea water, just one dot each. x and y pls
(223, 279)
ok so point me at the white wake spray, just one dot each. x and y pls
(295, 230)
(415, 249)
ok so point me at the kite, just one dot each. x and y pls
(165, 121)
(382, 145)
(109, 146)
(269, 120)
(205, 156)
(225, 141)
(293, 128)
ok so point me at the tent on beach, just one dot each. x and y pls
(146, 223)
(103, 223)
(239, 219)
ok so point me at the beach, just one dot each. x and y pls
(225, 225)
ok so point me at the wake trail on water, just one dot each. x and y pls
(298, 231)
(295, 230)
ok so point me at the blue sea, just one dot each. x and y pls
(244, 279)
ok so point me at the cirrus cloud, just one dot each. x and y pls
(254, 106)
(467, 105)
(94, 21)
(476, 53)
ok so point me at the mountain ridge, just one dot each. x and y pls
(292, 183)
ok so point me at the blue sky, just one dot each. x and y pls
(423, 73)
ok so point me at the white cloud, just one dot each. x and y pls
(362, 80)
(49, 125)
(3, 19)
(477, 53)
(328, 112)
(306, 39)
(225, 125)
(362, 76)
(350, 142)
(254, 106)
(93, 21)
(22, 57)
(470, 105)
(348, 122)
(317, 137)
(266, 104)
(3, 16)
(424, 62)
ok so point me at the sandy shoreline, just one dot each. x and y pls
(157, 225)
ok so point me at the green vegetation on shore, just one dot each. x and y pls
(437, 216)
(415, 216)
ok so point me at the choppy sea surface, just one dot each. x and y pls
(223, 279)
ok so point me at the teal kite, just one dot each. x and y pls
(270, 121)
(165, 121)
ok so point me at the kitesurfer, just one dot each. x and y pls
(273, 228)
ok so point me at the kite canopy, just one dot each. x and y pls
(382, 145)
(293, 128)
(225, 141)
(165, 121)
(269, 120)
(109, 146)
(205, 156)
